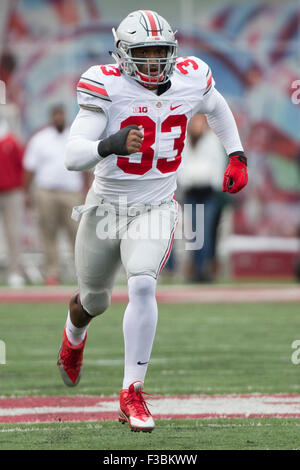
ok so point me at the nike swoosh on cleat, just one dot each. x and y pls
(174, 107)
(142, 363)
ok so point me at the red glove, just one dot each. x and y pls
(235, 176)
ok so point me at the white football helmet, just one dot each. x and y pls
(144, 28)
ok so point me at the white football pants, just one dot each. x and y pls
(138, 237)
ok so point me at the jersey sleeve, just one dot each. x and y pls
(204, 81)
(209, 81)
(92, 92)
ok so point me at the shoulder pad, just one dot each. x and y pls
(90, 84)
(196, 70)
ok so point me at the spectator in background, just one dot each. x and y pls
(201, 183)
(11, 199)
(57, 190)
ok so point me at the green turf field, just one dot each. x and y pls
(198, 349)
(238, 434)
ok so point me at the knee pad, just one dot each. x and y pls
(96, 303)
(141, 286)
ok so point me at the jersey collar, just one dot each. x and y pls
(163, 88)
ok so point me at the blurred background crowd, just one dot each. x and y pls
(252, 48)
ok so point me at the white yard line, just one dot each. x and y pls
(206, 406)
(93, 426)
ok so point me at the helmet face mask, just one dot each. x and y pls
(150, 67)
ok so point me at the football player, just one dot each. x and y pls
(131, 127)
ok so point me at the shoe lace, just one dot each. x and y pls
(137, 399)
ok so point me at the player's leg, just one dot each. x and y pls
(139, 326)
(97, 261)
(78, 321)
(143, 260)
(70, 356)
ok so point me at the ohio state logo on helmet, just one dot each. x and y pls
(141, 29)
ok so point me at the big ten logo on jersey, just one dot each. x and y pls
(140, 109)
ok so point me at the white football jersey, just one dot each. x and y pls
(164, 118)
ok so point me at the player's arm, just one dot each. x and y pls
(222, 122)
(82, 145)
(85, 148)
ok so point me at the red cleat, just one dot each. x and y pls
(134, 410)
(70, 359)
